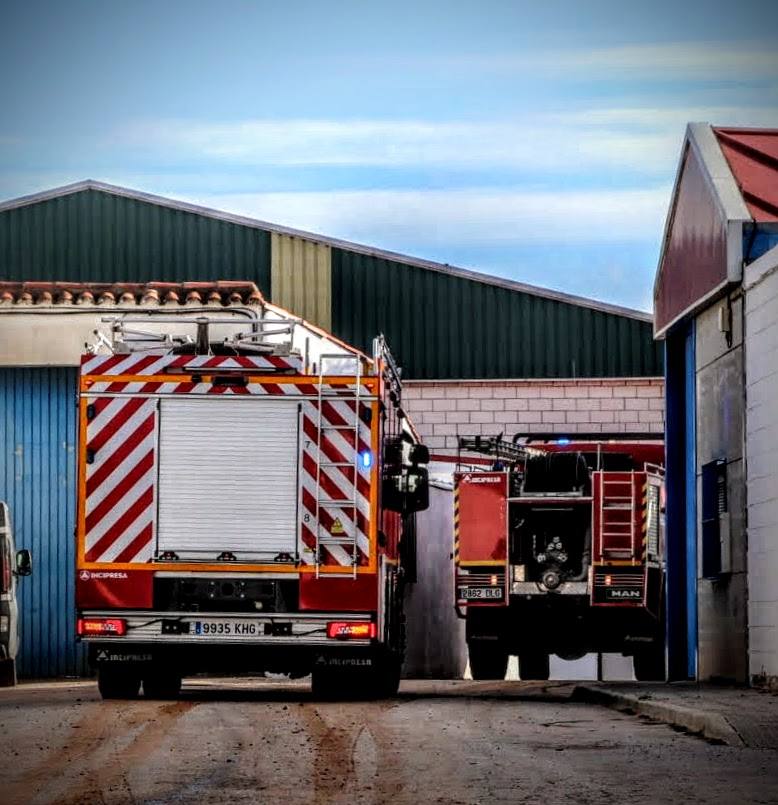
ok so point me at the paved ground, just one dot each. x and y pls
(446, 742)
(738, 716)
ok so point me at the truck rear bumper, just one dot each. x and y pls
(565, 588)
(195, 628)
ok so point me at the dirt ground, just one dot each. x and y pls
(257, 741)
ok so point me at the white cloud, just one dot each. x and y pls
(643, 140)
(451, 218)
(681, 60)
(545, 143)
(658, 118)
(674, 61)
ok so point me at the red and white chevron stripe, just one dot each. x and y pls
(338, 484)
(260, 389)
(120, 480)
(120, 504)
(150, 364)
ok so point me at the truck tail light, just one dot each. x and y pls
(343, 630)
(5, 572)
(102, 626)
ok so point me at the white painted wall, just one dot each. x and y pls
(57, 335)
(761, 334)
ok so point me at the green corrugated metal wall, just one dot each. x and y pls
(92, 236)
(443, 326)
(438, 325)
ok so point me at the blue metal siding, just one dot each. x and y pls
(690, 400)
(38, 481)
(681, 508)
(675, 512)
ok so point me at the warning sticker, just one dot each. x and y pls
(337, 529)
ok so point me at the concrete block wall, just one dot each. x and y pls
(761, 334)
(722, 602)
(443, 410)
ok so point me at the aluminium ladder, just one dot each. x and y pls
(617, 501)
(349, 507)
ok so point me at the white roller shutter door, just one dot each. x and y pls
(228, 477)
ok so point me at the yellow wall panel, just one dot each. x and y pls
(301, 278)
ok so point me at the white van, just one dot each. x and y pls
(13, 564)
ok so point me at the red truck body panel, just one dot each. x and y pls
(480, 537)
(122, 589)
(481, 517)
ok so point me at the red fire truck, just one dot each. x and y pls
(558, 549)
(246, 496)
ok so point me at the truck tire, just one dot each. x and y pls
(117, 683)
(382, 681)
(386, 678)
(488, 660)
(7, 673)
(161, 685)
(533, 665)
(649, 665)
(326, 684)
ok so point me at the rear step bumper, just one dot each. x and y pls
(192, 628)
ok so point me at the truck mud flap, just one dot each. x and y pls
(345, 659)
(103, 655)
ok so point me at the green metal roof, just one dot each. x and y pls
(96, 236)
(445, 326)
(441, 322)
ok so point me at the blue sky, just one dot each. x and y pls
(534, 140)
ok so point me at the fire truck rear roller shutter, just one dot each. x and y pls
(228, 477)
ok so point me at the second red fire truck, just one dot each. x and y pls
(558, 549)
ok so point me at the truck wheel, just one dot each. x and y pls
(7, 673)
(161, 685)
(117, 683)
(386, 678)
(381, 681)
(649, 665)
(488, 660)
(533, 665)
(325, 684)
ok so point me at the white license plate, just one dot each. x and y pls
(481, 593)
(227, 628)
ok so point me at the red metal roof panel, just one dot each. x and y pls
(752, 155)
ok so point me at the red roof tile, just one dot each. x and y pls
(128, 294)
(752, 155)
